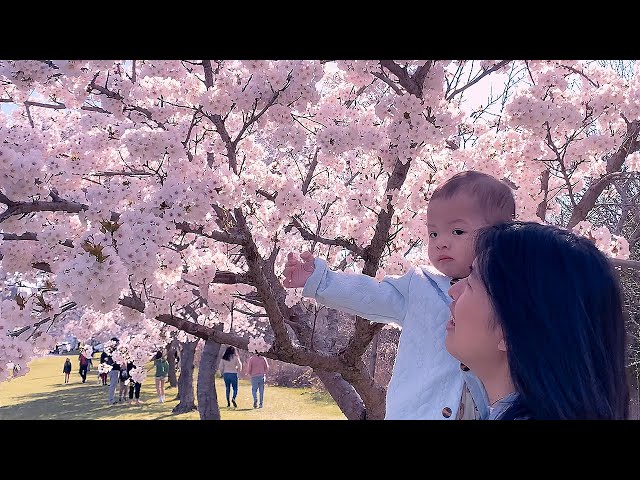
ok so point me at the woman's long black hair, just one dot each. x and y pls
(559, 304)
(228, 353)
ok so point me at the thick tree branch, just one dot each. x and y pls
(226, 138)
(544, 187)
(219, 236)
(404, 78)
(39, 206)
(310, 172)
(255, 263)
(339, 242)
(208, 73)
(422, 72)
(365, 331)
(621, 262)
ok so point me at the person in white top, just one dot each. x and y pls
(427, 381)
(230, 366)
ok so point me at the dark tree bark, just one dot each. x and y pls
(344, 395)
(172, 353)
(206, 388)
(185, 381)
(374, 355)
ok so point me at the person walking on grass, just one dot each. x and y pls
(124, 381)
(162, 371)
(257, 368)
(84, 366)
(230, 365)
(114, 373)
(134, 387)
(66, 369)
(103, 368)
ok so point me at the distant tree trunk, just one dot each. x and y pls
(185, 381)
(172, 353)
(206, 388)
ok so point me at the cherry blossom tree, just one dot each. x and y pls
(164, 196)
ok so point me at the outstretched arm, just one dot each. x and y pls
(359, 294)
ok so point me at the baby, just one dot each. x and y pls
(427, 382)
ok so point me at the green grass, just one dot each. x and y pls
(41, 394)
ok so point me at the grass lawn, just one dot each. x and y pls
(41, 394)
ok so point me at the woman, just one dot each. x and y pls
(539, 321)
(230, 365)
(162, 371)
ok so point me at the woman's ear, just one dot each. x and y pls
(502, 345)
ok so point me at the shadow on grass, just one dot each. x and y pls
(79, 402)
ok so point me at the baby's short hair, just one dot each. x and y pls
(494, 197)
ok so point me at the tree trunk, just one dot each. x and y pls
(358, 397)
(185, 381)
(206, 387)
(344, 395)
(374, 355)
(172, 353)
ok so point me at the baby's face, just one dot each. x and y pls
(452, 223)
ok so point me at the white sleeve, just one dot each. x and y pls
(382, 302)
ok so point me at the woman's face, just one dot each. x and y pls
(472, 335)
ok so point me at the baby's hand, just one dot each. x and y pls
(296, 272)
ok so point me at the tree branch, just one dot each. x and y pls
(340, 242)
(219, 236)
(614, 163)
(478, 78)
(255, 263)
(312, 168)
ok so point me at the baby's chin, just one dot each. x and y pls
(451, 271)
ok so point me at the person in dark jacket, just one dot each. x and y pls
(66, 369)
(134, 387)
(84, 366)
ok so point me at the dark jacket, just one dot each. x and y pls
(106, 358)
(130, 366)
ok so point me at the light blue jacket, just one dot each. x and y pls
(427, 381)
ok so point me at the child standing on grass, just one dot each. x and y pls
(134, 387)
(66, 369)
(123, 380)
(103, 371)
